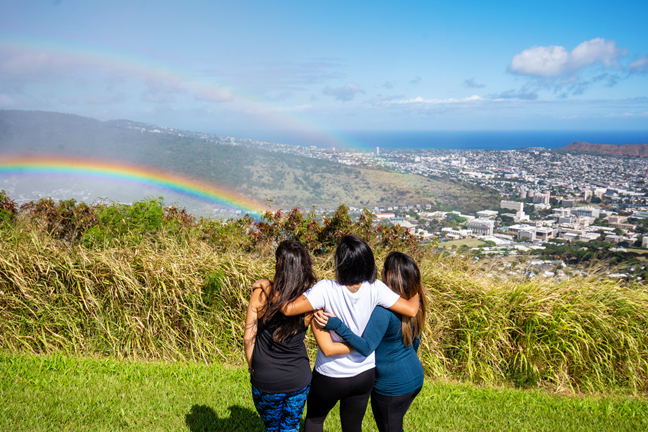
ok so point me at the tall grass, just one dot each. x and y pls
(179, 292)
(583, 334)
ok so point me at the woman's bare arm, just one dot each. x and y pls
(326, 344)
(297, 307)
(249, 337)
(406, 307)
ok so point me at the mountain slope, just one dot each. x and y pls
(286, 179)
(640, 150)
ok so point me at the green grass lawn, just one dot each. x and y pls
(59, 393)
(639, 251)
(471, 243)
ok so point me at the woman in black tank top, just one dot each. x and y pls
(280, 372)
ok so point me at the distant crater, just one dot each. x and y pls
(640, 150)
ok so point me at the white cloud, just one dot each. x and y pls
(553, 61)
(639, 66)
(542, 61)
(595, 51)
(628, 115)
(345, 93)
(420, 101)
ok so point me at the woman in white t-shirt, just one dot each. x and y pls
(339, 375)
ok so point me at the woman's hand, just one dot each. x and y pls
(264, 284)
(321, 317)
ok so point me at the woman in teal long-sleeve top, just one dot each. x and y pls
(399, 374)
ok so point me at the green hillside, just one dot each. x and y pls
(288, 180)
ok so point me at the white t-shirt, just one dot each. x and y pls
(354, 309)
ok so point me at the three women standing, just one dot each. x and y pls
(340, 374)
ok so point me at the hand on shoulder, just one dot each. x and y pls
(264, 284)
(321, 317)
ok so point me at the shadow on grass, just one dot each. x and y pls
(202, 418)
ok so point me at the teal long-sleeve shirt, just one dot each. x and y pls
(398, 368)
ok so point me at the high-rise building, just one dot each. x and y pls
(377, 151)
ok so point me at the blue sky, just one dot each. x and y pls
(323, 68)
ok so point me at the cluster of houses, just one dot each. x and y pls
(566, 223)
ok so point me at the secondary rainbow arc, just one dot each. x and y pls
(258, 105)
(131, 173)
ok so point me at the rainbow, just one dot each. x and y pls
(98, 58)
(120, 171)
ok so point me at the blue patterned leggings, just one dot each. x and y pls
(280, 411)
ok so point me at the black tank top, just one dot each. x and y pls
(279, 367)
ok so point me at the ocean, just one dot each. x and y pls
(494, 140)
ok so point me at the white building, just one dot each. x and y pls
(408, 226)
(513, 205)
(521, 217)
(545, 233)
(499, 240)
(488, 214)
(613, 238)
(561, 212)
(452, 233)
(542, 198)
(599, 192)
(523, 231)
(481, 226)
(527, 233)
(587, 211)
(567, 219)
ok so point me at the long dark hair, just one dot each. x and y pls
(402, 275)
(354, 261)
(293, 276)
